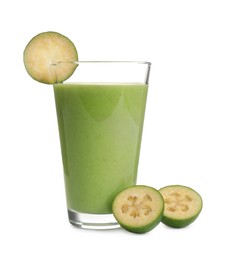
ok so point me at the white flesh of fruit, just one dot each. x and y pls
(181, 202)
(49, 57)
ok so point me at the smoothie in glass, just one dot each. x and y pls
(100, 126)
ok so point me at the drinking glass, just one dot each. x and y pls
(100, 112)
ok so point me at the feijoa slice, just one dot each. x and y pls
(182, 205)
(138, 208)
(49, 57)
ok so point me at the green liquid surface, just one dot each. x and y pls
(100, 128)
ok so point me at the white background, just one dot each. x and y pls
(184, 140)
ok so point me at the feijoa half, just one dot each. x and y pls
(50, 57)
(182, 205)
(138, 208)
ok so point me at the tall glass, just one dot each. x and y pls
(100, 111)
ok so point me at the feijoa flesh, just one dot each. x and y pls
(138, 208)
(182, 205)
(50, 57)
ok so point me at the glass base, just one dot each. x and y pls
(92, 221)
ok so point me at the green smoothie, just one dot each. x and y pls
(100, 128)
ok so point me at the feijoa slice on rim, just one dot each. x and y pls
(138, 208)
(182, 205)
(49, 57)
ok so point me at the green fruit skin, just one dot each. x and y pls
(178, 223)
(144, 229)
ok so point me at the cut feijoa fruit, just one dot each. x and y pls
(182, 205)
(49, 57)
(138, 208)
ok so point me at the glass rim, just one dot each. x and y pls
(102, 62)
